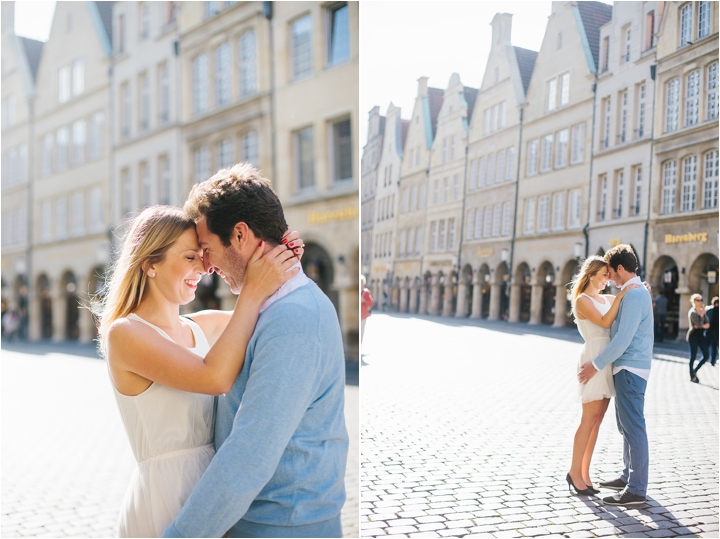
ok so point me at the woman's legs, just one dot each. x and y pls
(591, 411)
(590, 448)
(692, 341)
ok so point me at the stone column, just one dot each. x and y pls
(423, 307)
(434, 308)
(462, 303)
(59, 314)
(514, 314)
(683, 324)
(35, 314)
(495, 291)
(476, 297)
(413, 298)
(403, 297)
(560, 305)
(395, 297)
(86, 324)
(448, 299)
(536, 304)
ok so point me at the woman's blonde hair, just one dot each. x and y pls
(692, 299)
(581, 280)
(149, 237)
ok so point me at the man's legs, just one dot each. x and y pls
(630, 404)
(626, 448)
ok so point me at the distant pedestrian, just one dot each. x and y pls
(366, 303)
(711, 335)
(11, 325)
(697, 324)
(661, 303)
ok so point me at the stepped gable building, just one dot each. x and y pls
(70, 214)
(493, 154)
(413, 191)
(682, 242)
(446, 186)
(622, 138)
(368, 182)
(553, 190)
(20, 60)
(386, 201)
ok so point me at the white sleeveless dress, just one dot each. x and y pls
(171, 435)
(600, 386)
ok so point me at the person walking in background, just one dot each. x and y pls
(697, 324)
(711, 335)
(661, 311)
(366, 303)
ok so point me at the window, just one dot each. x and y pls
(77, 214)
(500, 166)
(78, 142)
(125, 109)
(543, 213)
(546, 153)
(248, 63)
(692, 98)
(225, 153)
(641, 112)
(251, 150)
(95, 139)
(45, 221)
(703, 19)
(637, 192)
(558, 211)
(405, 201)
(456, 187)
(494, 118)
(301, 47)
(304, 159)
(433, 237)
(712, 91)
(339, 34)
(619, 193)
(47, 151)
(602, 202)
(8, 111)
(202, 164)
(479, 223)
(144, 21)
(487, 230)
(403, 241)
(171, 12)
(649, 30)
(410, 244)
(578, 144)
(561, 149)
(61, 222)
(446, 190)
(501, 115)
(672, 103)
(529, 216)
(223, 91)
(413, 198)
(710, 180)
(342, 151)
(120, 35)
(497, 220)
(574, 208)
(688, 193)
(486, 121)
(211, 9)
(470, 227)
(164, 180)
(452, 148)
(163, 94)
(22, 164)
(551, 95)
(200, 84)
(418, 240)
(686, 25)
(559, 41)
(421, 197)
(606, 54)
(510, 165)
(444, 150)
(483, 172)
(606, 124)
(532, 157)
(491, 169)
(667, 203)
(62, 137)
(63, 84)
(627, 44)
(506, 217)
(96, 222)
(473, 174)
(451, 234)
(78, 77)
(565, 89)
(622, 135)
(436, 192)
(144, 108)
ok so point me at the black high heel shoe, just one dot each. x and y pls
(593, 490)
(571, 486)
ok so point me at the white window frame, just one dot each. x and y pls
(669, 187)
(710, 180)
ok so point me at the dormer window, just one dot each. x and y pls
(559, 40)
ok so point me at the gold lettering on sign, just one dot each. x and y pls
(345, 214)
(485, 252)
(690, 237)
(615, 241)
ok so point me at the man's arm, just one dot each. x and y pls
(281, 386)
(631, 310)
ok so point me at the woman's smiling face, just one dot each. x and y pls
(179, 273)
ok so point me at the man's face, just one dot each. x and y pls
(614, 276)
(227, 262)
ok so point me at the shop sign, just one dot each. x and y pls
(485, 252)
(345, 214)
(711, 277)
(615, 242)
(700, 237)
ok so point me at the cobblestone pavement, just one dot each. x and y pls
(65, 459)
(467, 431)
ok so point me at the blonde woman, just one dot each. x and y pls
(594, 314)
(166, 369)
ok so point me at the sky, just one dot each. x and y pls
(33, 19)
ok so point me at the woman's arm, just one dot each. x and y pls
(586, 307)
(137, 348)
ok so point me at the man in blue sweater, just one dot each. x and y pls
(630, 351)
(280, 432)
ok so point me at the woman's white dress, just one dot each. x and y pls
(600, 386)
(171, 434)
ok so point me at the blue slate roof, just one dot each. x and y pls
(594, 15)
(526, 63)
(33, 52)
(470, 97)
(105, 11)
(435, 100)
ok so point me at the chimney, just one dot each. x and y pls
(8, 17)
(501, 28)
(422, 87)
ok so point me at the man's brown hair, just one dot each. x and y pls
(622, 255)
(238, 194)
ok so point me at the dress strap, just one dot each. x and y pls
(200, 338)
(133, 316)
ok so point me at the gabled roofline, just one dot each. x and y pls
(100, 28)
(584, 38)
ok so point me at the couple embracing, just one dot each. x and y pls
(267, 457)
(615, 362)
